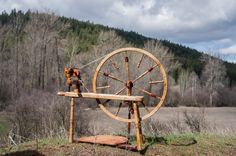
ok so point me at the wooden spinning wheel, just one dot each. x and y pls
(138, 72)
(126, 78)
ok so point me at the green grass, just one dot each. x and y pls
(178, 144)
(37, 144)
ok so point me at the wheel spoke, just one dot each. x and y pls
(103, 87)
(140, 61)
(117, 93)
(114, 64)
(82, 83)
(119, 108)
(112, 77)
(147, 92)
(155, 82)
(145, 73)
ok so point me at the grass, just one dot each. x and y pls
(175, 144)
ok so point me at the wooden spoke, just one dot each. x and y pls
(145, 73)
(114, 64)
(113, 77)
(145, 107)
(117, 93)
(147, 92)
(155, 82)
(119, 108)
(140, 61)
(84, 86)
(103, 87)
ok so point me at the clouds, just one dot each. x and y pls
(229, 50)
(190, 22)
(185, 21)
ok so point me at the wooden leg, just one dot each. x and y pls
(138, 128)
(72, 105)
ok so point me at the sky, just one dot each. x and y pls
(206, 25)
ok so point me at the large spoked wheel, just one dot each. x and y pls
(130, 71)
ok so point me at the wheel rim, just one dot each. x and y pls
(142, 53)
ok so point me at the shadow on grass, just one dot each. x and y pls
(25, 153)
(188, 143)
(178, 141)
(156, 140)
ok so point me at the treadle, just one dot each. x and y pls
(104, 140)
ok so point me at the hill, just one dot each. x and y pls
(188, 57)
(88, 33)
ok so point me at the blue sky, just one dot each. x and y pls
(206, 25)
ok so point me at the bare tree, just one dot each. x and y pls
(165, 57)
(17, 27)
(213, 77)
(189, 85)
(183, 81)
(44, 51)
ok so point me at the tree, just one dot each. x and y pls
(163, 54)
(213, 77)
(45, 50)
(17, 26)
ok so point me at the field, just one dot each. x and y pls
(220, 120)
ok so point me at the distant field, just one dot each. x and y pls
(221, 119)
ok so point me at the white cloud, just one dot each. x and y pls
(229, 50)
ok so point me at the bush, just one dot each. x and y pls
(195, 121)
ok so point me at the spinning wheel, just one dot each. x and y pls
(138, 72)
(127, 81)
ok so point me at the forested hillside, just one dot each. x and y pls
(189, 58)
(35, 48)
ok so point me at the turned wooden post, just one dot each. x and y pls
(137, 122)
(72, 105)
